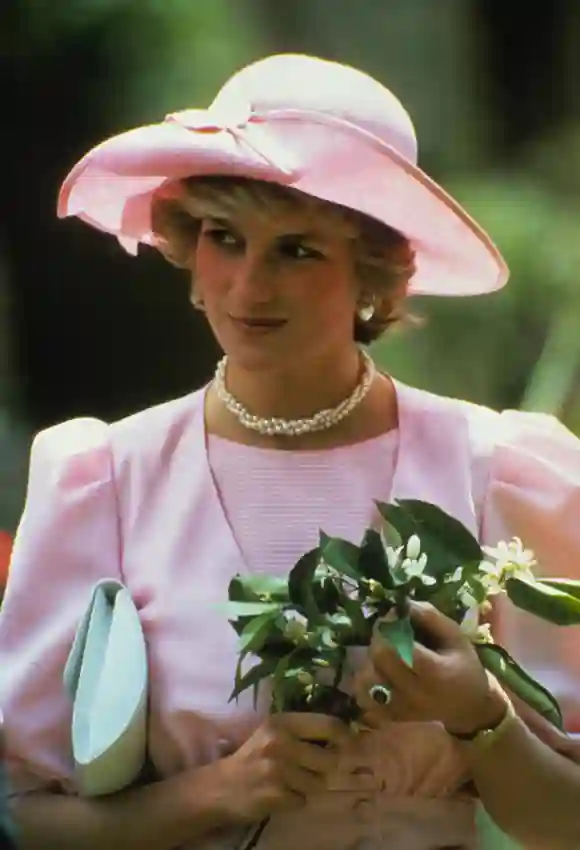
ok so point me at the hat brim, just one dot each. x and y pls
(112, 187)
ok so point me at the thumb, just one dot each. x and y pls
(434, 629)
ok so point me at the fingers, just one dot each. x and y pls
(444, 631)
(364, 680)
(320, 760)
(301, 766)
(388, 666)
(301, 784)
(315, 727)
(549, 734)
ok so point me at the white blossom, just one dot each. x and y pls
(491, 578)
(508, 560)
(415, 566)
(471, 626)
(456, 575)
(415, 561)
(467, 599)
(393, 556)
(470, 620)
(409, 559)
(413, 549)
(296, 626)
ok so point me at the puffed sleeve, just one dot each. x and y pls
(533, 492)
(67, 540)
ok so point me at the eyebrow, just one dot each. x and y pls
(222, 222)
(305, 236)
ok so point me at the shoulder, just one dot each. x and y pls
(499, 438)
(158, 429)
(480, 425)
(87, 449)
(75, 451)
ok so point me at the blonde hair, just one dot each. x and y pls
(384, 259)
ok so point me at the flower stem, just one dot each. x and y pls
(251, 838)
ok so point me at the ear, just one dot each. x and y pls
(196, 300)
(397, 298)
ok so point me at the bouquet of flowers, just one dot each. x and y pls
(298, 628)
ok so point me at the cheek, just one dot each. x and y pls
(332, 301)
(210, 267)
(204, 266)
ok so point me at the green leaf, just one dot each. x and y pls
(545, 600)
(401, 520)
(446, 541)
(326, 594)
(300, 584)
(372, 562)
(287, 668)
(399, 634)
(390, 535)
(340, 622)
(509, 673)
(258, 587)
(567, 585)
(252, 678)
(353, 609)
(341, 555)
(256, 631)
(440, 525)
(238, 592)
(249, 609)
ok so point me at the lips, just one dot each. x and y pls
(261, 323)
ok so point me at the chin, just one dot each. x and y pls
(256, 360)
(257, 354)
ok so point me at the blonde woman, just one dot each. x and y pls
(296, 205)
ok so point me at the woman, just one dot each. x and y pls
(296, 205)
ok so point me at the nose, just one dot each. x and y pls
(252, 280)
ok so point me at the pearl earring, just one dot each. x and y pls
(196, 302)
(365, 312)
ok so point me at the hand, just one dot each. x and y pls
(447, 684)
(557, 740)
(280, 765)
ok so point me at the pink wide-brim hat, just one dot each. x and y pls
(317, 126)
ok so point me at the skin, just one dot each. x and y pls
(529, 779)
(252, 269)
(298, 270)
(255, 269)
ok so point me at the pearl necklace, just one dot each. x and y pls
(276, 426)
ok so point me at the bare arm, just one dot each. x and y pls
(274, 770)
(161, 816)
(528, 778)
(529, 789)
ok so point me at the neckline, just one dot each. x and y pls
(403, 398)
(387, 438)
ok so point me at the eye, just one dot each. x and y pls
(220, 236)
(299, 251)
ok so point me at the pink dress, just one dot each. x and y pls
(175, 514)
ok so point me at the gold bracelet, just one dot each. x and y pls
(482, 739)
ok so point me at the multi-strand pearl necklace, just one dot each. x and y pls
(276, 426)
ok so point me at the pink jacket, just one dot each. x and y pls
(135, 500)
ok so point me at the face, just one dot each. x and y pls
(278, 292)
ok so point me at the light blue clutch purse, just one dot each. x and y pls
(106, 677)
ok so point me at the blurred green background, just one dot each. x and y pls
(87, 330)
(492, 87)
